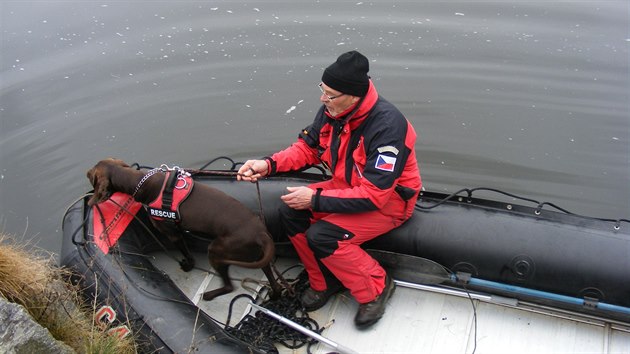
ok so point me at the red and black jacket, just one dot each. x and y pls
(370, 153)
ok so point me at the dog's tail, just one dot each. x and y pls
(269, 252)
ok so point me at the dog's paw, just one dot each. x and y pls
(209, 295)
(276, 292)
(187, 264)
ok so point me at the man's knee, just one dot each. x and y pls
(294, 221)
(323, 238)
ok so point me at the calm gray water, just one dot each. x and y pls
(527, 97)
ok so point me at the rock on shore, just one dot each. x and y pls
(20, 334)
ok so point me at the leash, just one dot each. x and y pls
(197, 172)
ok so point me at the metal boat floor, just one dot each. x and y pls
(420, 321)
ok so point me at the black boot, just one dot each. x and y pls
(313, 300)
(372, 311)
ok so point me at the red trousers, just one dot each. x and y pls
(332, 241)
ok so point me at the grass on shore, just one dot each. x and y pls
(37, 284)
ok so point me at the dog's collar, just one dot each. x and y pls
(146, 177)
(163, 168)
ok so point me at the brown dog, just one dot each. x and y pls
(239, 236)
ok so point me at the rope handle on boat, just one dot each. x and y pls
(539, 205)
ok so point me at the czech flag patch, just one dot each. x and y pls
(385, 163)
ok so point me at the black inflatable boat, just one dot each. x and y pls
(508, 246)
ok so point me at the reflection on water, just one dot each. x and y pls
(530, 98)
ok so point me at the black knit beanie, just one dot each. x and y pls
(349, 74)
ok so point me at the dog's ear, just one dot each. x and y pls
(101, 187)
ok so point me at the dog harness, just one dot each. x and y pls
(176, 188)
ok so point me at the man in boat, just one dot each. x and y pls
(369, 148)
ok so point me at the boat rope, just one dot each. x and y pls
(539, 205)
(262, 331)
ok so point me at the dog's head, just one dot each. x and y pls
(100, 178)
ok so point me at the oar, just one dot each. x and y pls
(513, 289)
(411, 269)
(340, 348)
(424, 271)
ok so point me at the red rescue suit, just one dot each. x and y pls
(369, 150)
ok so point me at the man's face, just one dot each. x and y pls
(336, 102)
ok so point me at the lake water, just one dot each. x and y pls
(527, 97)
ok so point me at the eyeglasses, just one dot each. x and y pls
(330, 98)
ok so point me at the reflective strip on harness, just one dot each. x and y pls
(165, 214)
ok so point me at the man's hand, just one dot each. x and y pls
(252, 170)
(299, 198)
